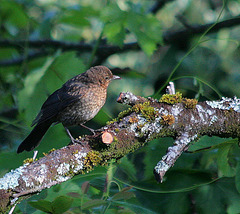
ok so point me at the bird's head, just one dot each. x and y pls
(101, 75)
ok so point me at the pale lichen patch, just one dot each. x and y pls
(175, 111)
(63, 168)
(41, 174)
(213, 120)
(129, 97)
(226, 104)
(173, 153)
(79, 161)
(201, 112)
(10, 180)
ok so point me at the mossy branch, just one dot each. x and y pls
(184, 120)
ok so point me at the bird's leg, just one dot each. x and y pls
(71, 137)
(92, 130)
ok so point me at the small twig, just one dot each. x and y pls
(12, 209)
(171, 88)
(35, 154)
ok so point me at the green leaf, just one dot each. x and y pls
(128, 168)
(78, 17)
(222, 160)
(123, 195)
(147, 30)
(126, 189)
(74, 194)
(237, 178)
(134, 207)
(31, 97)
(85, 187)
(112, 13)
(115, 32)
(234, 206)
(42, 205)
(61, 204)
(64, 67)
(14, 14)
(208, 143)
(45, 80)
(115, 20)
(93, 203)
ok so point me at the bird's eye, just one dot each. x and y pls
(106, 78)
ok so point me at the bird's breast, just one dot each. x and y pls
(85, 108)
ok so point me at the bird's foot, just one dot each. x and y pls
(73, 140)
(91, 130)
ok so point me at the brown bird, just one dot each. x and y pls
(75, 103)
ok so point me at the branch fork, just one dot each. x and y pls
(184, 120)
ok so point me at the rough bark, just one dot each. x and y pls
(184, 120)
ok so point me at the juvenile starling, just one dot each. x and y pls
(75, 103)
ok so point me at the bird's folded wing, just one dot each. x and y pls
(58, 101)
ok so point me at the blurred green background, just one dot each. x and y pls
(43, 43)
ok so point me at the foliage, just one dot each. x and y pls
(204, 179)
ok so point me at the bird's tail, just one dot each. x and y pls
(34, 138)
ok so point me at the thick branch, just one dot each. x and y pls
(185, 120)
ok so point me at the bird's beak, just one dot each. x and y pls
(115, 77)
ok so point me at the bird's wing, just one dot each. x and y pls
(59, 100)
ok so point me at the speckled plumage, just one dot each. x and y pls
(76, 102)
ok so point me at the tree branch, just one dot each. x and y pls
(104, 51)
(159, 4)
(172, 37)
(173, 116)
(19, 60)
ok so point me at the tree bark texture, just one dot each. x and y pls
(185, 120)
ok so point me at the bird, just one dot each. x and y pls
(75, 103)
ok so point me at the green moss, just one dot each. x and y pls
(124, 113)
(171, 98)
(146, 110)
(189, 103)
(167, 119)
(133, 119)
(114, 152)
(116, 130)
(75, 152)
(92, 159)
(52, 150)
(29, 160)
(111, 121)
